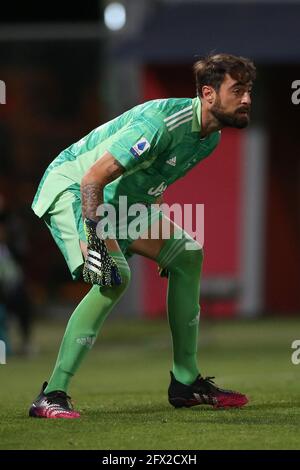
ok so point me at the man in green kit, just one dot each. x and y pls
(138, 155)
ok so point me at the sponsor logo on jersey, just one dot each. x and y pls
(159, 190)
(140, 147)
(171, 161)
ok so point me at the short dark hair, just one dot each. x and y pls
(212, 70)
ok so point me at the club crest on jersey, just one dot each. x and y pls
(140, 147)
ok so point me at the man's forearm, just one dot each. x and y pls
(103, 172)
(91, 198)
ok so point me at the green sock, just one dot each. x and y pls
(84, 326)
(184, 268)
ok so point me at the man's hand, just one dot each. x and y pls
(99, 267)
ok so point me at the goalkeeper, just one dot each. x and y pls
(138, 155)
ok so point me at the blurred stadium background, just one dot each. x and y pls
(67, 69)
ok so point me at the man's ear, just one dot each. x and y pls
(208, 94)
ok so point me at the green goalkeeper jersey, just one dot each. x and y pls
(156, 142)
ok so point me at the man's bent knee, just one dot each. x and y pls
(188, 261)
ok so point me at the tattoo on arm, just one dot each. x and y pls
(92, 192)
(91, 198)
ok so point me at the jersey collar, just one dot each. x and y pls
(196, 121)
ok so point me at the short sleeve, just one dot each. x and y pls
(137, 142)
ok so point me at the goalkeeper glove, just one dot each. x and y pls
(99, 267)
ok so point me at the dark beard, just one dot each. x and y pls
(229, 119)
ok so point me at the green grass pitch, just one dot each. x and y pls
(121, 390)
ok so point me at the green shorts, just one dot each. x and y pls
(64, 220)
